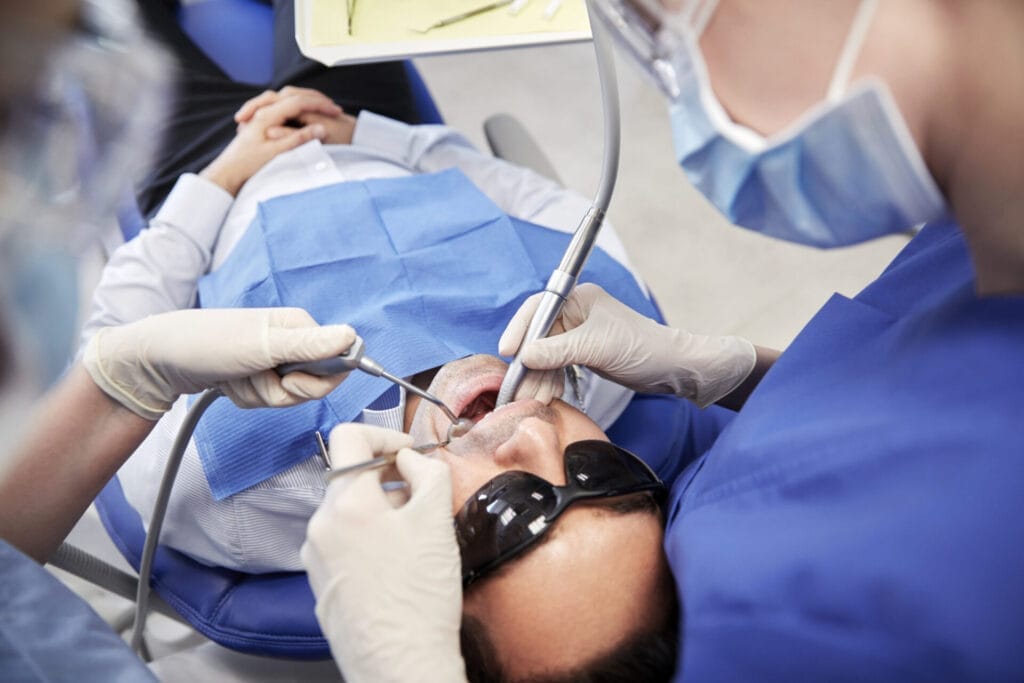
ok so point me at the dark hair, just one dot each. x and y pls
(649, 655)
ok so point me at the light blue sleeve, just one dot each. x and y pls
(47, 633)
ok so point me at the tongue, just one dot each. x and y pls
(480, 406)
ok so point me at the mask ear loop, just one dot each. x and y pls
(698, 15)
(851, 50)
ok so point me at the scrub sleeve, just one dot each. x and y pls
(47, 633)
(862, 518)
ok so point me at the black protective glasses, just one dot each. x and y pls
(510, 512)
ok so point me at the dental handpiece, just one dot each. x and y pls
(564, 278)
(356, 359)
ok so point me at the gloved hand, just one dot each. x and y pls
(388, 581)
(619, 344)
(147, 364)
(543, 385)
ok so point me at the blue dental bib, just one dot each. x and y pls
(426, 269)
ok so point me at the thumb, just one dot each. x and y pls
(513, 335)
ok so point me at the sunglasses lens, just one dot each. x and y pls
(602, 466)
(507, 513)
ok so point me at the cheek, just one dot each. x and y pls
(575, 426)
(467, 477)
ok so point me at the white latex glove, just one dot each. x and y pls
(146, 365)
(597, 331)
(388, 581)
(543, 385)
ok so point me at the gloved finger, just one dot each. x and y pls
(542, 385)
(581, 302)
(246, 111)
(514, 332)
(307, 387)
(260, 390)
(289, 342)
(429, 479)
(580, 346)
(351, 443)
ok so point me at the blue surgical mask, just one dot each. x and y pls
(846, 171)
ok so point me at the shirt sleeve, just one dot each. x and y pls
(159, 270)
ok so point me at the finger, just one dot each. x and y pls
(314, 117)
(292, 345)
(429, 479)
(278, 132)
(514, 332)
(362, 444)
(291, 107)
(300, 137)
(578, 346)
(308, 387)
(542, 385)
(352, 443)
(310, 93)
(260, 390)
(246, 111)
(580, 302)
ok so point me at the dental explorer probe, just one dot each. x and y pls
(563, 279)
(355, 359)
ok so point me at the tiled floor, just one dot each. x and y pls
(707, 275)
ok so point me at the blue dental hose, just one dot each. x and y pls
(564, 278)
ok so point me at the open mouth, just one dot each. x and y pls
(481, 405)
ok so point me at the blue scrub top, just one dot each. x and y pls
(47, 633)
(862, 518)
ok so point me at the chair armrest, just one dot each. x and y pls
(509, 140)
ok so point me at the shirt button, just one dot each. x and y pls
(320, 166)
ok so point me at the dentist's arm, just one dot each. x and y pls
(104, 407)
(387, 580)
(599, 332)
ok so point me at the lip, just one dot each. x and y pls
(470, 391)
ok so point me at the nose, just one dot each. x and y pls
(535, 447)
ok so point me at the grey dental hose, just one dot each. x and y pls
(564, 278)
(160, 510)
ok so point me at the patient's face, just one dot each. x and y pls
(594, 579)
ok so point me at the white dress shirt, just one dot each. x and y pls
(261, 529)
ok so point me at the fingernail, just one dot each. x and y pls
(319, 132)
